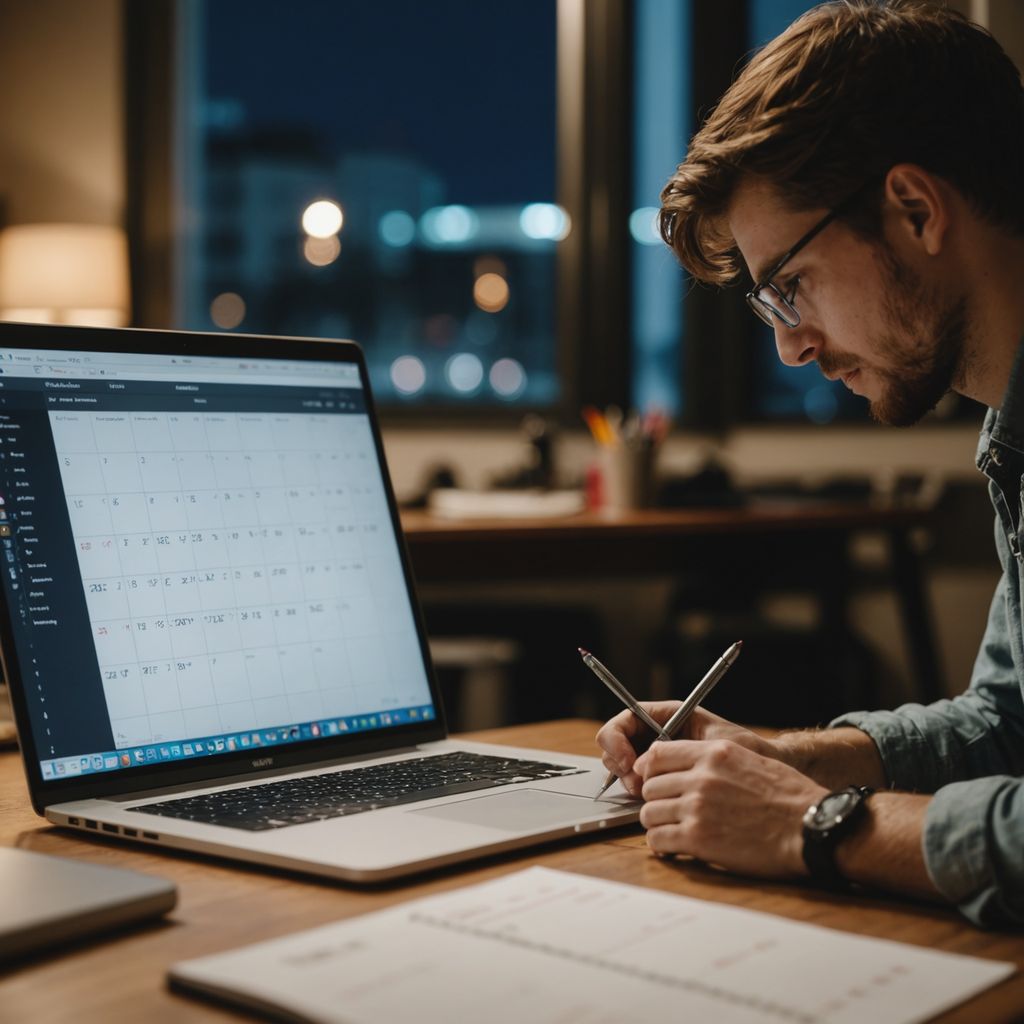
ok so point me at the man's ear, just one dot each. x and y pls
(918, 206)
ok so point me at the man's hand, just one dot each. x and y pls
(721, 801)
(616, 738)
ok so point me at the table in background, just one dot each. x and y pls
(221, 906)
(664, 541)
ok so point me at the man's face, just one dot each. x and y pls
(865, 315)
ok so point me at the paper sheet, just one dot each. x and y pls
(548, 947)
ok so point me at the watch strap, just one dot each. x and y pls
(819, 845)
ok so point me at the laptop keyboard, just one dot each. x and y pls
(354, 790)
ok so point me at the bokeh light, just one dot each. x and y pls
(321, 251)
(449, 225)
(643, 225)
(408, 375)
(397, 229)
(322, 218)
(227, 310)
(544, 221)
(508, 378)
(465, 372)
(490, 292)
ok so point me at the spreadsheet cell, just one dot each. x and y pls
(159, 471)
(222, 433)
(69, 435)
(299, 470)
(230, 680)
(161, 692)
(266, 469)
(296, 663)
(152, 639)
(167, 726)
(255, 433)
(166, 511)
(122, 685)
(232, 470)
(331, 666)
(118, 471)
(227, 560)
(113, 432)
(188, 639)
(263, 670)
(107, 599)
(195, 685)
(127, 512)
(238, 716)
(187, 432)
(196, 467)
(151, 433)
(130, 732)
(271, 709)
(91, 514)
(280, 545)
(173, 551)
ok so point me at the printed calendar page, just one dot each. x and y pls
(240, 569)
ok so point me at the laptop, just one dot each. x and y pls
(208, 621)
(52, 900)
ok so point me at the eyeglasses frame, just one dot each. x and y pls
(757, 304)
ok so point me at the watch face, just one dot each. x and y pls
(832, 807)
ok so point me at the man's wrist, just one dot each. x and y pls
(834, 758)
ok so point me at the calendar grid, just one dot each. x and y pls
(238, 569)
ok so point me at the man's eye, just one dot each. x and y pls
(790, 289)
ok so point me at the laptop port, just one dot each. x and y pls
(89, 823)
(112, 828)
(133, 832)
(72, 821)
(150, 835)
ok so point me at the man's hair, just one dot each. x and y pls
(850, 89)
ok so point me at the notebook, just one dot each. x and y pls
(550, 947)
(208, 620)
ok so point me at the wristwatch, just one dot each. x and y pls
(825, 824)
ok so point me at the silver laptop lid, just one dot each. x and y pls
(201, 561)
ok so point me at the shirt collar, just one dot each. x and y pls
(1006, 424)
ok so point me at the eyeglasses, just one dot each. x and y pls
(766, 298)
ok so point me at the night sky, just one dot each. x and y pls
(468, 86)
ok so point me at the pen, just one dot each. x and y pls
(620, 691)
(683, 712)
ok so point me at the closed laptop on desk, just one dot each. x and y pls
(208, 621)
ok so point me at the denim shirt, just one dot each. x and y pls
(969, 751)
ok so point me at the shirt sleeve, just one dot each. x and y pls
(977, 734)
(967, 751)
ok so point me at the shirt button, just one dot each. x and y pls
(995, 455)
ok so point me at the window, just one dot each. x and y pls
(383, 172)
(662, 121)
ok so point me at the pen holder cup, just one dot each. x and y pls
(627, 476)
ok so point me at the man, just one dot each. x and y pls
(867, 168)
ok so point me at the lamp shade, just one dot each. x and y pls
(64, 273)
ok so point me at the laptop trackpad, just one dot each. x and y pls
(523, 810)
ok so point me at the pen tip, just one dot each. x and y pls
(739, 644)
(583, 651)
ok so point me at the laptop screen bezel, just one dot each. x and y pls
(160, 775)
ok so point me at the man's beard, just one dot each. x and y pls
(923, 348)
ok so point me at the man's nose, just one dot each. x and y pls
(797, 345)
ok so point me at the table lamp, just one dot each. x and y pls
(64, 274)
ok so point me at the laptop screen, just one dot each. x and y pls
(198, 557)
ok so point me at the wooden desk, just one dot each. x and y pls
(221, 906)
(739, 543)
